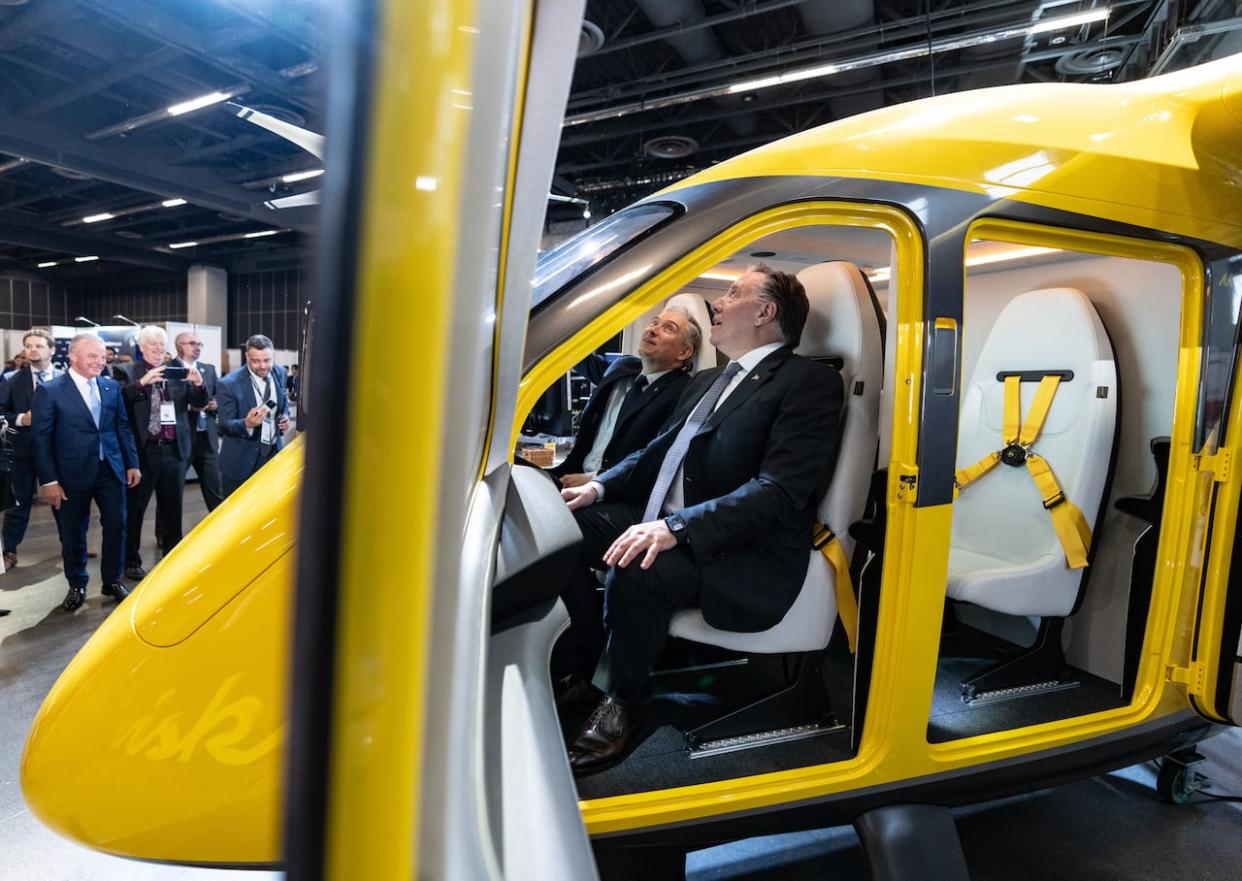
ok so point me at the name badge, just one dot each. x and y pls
(268, 433)
(168, 413)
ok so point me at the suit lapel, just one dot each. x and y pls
(71, 389)
(647, 397)
(749, 385)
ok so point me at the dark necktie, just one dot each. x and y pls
(677, 452)
(632, 397)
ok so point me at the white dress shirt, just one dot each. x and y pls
(608, 424)
(22, 418)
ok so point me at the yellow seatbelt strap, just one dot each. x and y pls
(1068, 521)
(827, 543)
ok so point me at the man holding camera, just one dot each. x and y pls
(158, 397)
(205, 456)
(253, 414)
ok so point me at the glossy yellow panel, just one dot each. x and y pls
(176, 752)
(408, 240)
(1160, 153)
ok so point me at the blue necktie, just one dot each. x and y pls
(677, 452)
(96, 411)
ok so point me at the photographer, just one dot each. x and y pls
(158, 397)
(253, 414)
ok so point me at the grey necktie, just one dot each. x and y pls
(677, 452)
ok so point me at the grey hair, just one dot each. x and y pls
(694, 333)
(150, 334)
(84, 337)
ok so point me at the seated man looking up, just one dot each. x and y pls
(717, 511)
(634, 397)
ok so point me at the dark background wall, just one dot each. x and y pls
(270, 303)
(27, 300)
(139, 296)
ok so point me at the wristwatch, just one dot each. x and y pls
(678, 527)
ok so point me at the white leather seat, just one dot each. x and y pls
(1004, 552)
(697, 307)
(843, 323)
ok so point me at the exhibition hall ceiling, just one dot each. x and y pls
(120, 137)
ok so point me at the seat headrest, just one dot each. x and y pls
(842, 322)
(1053, 328)
(697, 307)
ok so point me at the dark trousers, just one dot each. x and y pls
(637, 607)
(266, 451)
(75, 517)
(163, 473)
(206, 461)
(17, 519)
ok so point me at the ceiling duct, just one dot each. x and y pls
(590, 39)
(1091, 61)
(823, 19)
(998, 63)
(671, 147)
(696, 45)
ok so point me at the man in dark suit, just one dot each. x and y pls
(634, 397)
(204, 455)
(715, 513)
(159, 417)
(84, 450)
(254, 413)
(16, 405)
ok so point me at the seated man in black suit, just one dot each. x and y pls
(634, 397)
(717, 511)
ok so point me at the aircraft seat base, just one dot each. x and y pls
(1034, 670)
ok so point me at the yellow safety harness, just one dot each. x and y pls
(1069, 523)
(826, 542)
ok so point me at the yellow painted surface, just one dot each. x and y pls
(1160, 153)
(410, 232)
(176, 752)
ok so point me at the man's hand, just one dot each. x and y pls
(193, 376)
(648, 539)
(53, 495)
(256, 416)
(572, 480)
(282, 424)
(211, 406)
(155, 374)
(24, 418)
(579, 496)
(133, 477)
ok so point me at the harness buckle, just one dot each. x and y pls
(1058, 499)
(1013, 455)
(822, 538)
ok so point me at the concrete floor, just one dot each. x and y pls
(1108, 828)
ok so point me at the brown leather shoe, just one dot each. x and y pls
(10, 560)
(604, 737)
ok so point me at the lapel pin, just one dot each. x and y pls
(755, 376)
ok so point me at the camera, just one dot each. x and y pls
(175, 373)
(270, 404)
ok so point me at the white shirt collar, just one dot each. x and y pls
(82, 382)
(652, 377)
(258, 380)
(751, 359)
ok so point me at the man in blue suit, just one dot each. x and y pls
(253, 414)
(16, 402)
(84, 450)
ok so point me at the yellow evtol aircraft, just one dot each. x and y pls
(1030, 290)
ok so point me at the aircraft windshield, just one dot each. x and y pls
(593, 246)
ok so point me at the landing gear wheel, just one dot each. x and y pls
(1173, 783)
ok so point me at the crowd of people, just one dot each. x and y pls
(119, 429)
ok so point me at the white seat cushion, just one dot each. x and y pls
(1004, 553)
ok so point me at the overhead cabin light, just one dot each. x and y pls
(85, 259)
(884, 273)
(198, 103)
(301, 175)
(721, 276)
(95, 218)
(48, 264)
(173, 203)
(176, 245)
(1069, 21)
(261, 233)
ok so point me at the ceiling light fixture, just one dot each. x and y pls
(85, 259)
(180, 109)
(301, 175)
(48, 264)
(173, 203)
(861, 62)
(176, 245)
(96, 218)
(231, 237)
(198, 103)
(260, 234)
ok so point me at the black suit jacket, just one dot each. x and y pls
(636, 425)
(138, 404)
(210, 378)
(752, 478)
(16, 397)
